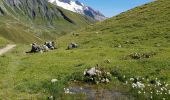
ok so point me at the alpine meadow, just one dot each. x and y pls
(79, 54)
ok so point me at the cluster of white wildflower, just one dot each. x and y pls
(67, 91)
(149, 87)
(138, 85)
(132, 79)
(54, 80)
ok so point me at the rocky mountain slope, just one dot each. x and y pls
(31, 20)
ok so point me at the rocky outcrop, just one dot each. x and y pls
(32, 9)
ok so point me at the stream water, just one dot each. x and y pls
(93, 93)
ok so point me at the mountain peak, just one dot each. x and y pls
(78, 7)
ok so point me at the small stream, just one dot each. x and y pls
(98, 93)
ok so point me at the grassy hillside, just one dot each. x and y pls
(147, 25)
(141, 32)
(3, 42)
(28, 21)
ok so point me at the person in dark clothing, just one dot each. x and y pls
(35, 48)
(71, 46)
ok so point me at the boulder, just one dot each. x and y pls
(97, 75)
(90, 72)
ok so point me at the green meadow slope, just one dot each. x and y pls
(147, 25)
(30, 21)
(112, 44)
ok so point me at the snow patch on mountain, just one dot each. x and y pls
(78, 7)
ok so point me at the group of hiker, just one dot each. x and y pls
(48, 45)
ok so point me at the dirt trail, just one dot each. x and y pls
(7, 48)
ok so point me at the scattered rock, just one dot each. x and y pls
(75, 34)
(90, 72)
(96, 75)
(107, 61)
(142, 55)
(119, 46)
(135, 56)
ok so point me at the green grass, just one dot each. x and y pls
(28, 76)
(144, 26)
(3, 42)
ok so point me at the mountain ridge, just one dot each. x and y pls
(37, 19)
(78, 7)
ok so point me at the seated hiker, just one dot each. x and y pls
(50, 45)
(45, 48)
(35, 48)
(72, 45)
(53, 44)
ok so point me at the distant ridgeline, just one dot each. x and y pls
(32, 20)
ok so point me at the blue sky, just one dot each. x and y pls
(113, 7)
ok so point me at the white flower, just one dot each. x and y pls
(164, 88)
(169, 92)
(166, 85)
(107, 80)
(108, 73)
(148, 80)
(85, 71)
(140, 85)
(151, 97)
(158, 83)
(134, 85)
(81, 88)
(54, 80)
(132, 79)
(124, 76)
(126, 82)
(137, 78)
(51, 97)
(66, 91)
(139, 92)
(163, 98)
